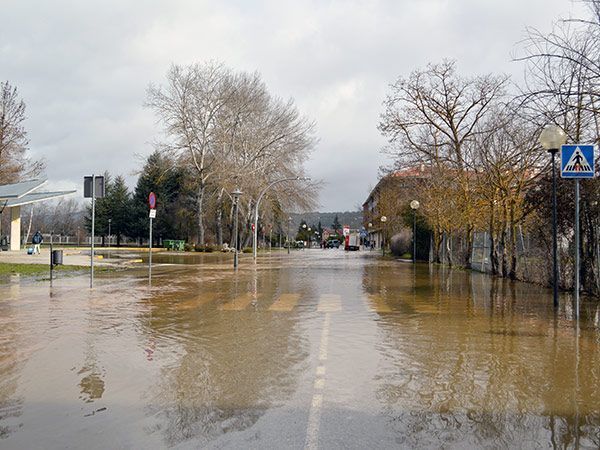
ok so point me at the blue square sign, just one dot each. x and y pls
(577, 161)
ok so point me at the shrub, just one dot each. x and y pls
(247, 250)
(209, 249)
(188, 247)
(199, 248)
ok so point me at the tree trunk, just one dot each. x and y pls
(220, 219)
(512, 274)
(469, 250)
(200, 212)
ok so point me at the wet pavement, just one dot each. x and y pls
(320, 349)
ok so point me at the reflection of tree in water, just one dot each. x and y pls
(472, 360)
(228, 367)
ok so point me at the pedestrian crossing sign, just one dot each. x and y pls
(577, 161)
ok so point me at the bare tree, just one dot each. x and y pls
(434, 115)
(14, 163)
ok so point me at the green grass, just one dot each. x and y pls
(42, 269)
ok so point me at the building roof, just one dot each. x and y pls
(18, 190)
(35, 197)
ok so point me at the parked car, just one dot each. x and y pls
(333, 243)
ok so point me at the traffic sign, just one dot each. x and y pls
(152, 200)
(152, 214)
(577, 161)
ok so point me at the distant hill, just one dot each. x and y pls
(352, 218)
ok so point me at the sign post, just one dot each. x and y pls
(93, 187)
(152, 215)
(577, 161)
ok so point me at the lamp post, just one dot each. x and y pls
(303, 226)
(383, 221)
(260, 196)
(551, 138)
(370, 226)
(288, 234)
(235, 195)
(309, 230)
(317, 237)
(414, 205)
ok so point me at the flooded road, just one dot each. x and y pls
(322, 349)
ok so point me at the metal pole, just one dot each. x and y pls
(93, 231)
(288, 237)
(235, 233)
(51, 265)
(414, 236)
(150, 253)
(554, 232)
(577, 248)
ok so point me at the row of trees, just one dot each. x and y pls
(476, 138)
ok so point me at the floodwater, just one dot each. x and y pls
(320, 349)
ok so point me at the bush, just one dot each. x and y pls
(247, 250)
(188, 247)
(406, 256)
(198, 248)
(402, 242)
(209, 249)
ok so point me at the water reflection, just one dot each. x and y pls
(223, 368)
(472, 360)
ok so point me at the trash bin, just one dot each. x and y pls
(57, 257)
(4, 243)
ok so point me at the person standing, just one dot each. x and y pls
(37, 240)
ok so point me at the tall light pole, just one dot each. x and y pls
(260, 196)
(309, 230)
(304, 227)
(414, 206)
(109, 239)
(370, 226)
(383, 221)
(288, 234)
(551, 138)
(236, 196)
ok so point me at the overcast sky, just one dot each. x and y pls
(82, 68)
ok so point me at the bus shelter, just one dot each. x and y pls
(13, 196)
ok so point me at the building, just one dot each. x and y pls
(386, 199)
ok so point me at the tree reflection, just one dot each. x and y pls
(222, 369)
(471, 360)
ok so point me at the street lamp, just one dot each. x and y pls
(414, 206)
(236, 196)
(303, 226)
(288, 234)
(309, 230)
(109, 239)
(260, 196)
(383, 221)
(551, 138)
(370, 226)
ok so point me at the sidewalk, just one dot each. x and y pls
(70, 258)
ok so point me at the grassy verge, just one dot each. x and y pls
(42, 269)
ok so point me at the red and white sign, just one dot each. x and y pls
(152, 200)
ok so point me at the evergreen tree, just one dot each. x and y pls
(116, 206)
(159, 175)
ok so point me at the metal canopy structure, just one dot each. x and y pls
(15, 195)
(18, 190)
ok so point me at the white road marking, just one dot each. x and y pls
(314, 415)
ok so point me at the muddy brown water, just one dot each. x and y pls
(318, 349)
